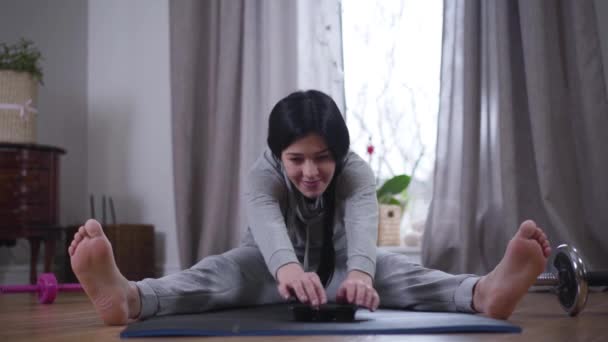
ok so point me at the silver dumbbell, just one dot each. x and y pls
(572, 279)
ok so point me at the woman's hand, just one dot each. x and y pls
(357, 289)
(305, 285)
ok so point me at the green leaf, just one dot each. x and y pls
(389, 199)
(394, 186)
(22, 56)
(394, 201)
(384, 199)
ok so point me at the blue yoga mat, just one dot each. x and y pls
(276, 320)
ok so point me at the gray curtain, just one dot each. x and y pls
(522, 132)
(230, 61)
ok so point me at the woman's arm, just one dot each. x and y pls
(357, 188)
(264, 192)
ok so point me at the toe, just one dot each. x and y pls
(528, 229)
(538, 234)
(542, 238)
(78, 237)
(93, 228)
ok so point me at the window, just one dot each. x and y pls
(392, 54)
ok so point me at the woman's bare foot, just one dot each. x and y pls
(497, 293)
(114, 298)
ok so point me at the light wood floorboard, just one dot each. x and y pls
(72, 318)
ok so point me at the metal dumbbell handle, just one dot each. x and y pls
(547, 279)
(594, 278)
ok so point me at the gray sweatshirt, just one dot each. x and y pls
(284, 237)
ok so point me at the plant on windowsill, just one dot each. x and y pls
(20, 74)
(392, 199)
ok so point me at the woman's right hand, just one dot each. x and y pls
(306, 286)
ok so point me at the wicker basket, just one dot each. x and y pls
(18, 103)
(389, 226)
(133, 247)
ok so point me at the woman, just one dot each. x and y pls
(312, 214)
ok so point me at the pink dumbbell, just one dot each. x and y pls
(47, 288)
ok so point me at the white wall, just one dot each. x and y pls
(129, 154)
(106, 100)
(59, 30)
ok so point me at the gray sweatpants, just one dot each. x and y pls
(240, 277)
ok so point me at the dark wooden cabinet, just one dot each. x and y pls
(29, 198)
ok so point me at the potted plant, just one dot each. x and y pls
(392, 199)
(20, 74)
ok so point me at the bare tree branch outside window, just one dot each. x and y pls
(392, 53)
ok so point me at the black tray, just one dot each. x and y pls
(325, 313)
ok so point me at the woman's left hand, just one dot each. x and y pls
(358, 289)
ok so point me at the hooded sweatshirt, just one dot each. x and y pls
(289, 229)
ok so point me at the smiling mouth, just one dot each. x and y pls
(312, 184)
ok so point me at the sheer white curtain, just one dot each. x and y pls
(230, 62)
(522, 123)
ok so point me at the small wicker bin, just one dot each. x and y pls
(133, 247)
(18, 103)
(389, 225)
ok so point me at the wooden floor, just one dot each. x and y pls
(72, 318)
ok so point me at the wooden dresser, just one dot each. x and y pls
(29, 198)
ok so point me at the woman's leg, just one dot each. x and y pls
(238, 277)
(404, 285)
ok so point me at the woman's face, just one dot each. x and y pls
(309, 164)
